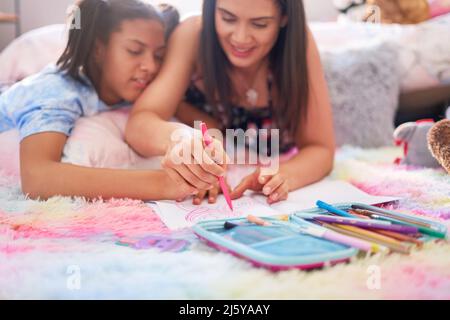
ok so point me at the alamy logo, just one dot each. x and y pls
(74, 15)
(265, 150)
(74, 278)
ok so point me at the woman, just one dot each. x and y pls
(244, 64)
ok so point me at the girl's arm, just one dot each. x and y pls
(148, 129)
(44, 176)
(188, 114)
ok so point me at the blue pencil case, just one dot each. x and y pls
(281, 246)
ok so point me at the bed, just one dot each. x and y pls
(68, 248)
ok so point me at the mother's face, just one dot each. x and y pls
(248, 29)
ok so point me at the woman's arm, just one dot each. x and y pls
(148, 129)
(315, 141)
(44, 176)
(315, 138)
(188, 114)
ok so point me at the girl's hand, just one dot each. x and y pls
(212, 194)
(274, 186)
(199, 166)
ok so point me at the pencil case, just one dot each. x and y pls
(281, 246)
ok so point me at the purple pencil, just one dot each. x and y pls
(365, 224)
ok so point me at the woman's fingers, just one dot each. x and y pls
(246, 184)
(213, 194)
(200, 173)
(191, 178)
(209, 165)
(279, 194)
(272, 184)
(199, 197)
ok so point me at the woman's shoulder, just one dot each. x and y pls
(192, 23)
(188, 30)
(184, 43)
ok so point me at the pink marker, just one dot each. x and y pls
(208, 140)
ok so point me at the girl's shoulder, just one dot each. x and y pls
(50, 76)
(51, 85)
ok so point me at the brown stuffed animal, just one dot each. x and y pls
(439, 143)
(402, 11)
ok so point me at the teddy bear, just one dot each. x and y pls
(402, 11)
(384, 11)
(425, 143)
(439, 142)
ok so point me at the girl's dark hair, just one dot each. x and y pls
(98, 19)
(288, 64)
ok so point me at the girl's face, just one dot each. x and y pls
(130, 60)
(248, 29)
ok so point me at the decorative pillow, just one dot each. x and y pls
(99, 142)
(364, 88)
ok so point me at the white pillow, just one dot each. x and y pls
(99, 142)
(31, 52)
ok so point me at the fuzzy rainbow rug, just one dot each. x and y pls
(66, 248)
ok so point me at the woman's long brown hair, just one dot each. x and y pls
(288, 63)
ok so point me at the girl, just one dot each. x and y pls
(244, 64)
(109, 60)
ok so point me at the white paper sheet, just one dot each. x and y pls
(185, 214)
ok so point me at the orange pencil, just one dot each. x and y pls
(258, 221)
(401, 237)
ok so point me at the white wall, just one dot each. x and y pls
(320, 10)
(34, 14)
(37, 13)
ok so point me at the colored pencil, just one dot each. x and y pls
(330, 208)
(208, 140)
(369, 224)
(392, 244)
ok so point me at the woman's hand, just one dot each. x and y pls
(189, 159)
(212, 194)
(274, 186)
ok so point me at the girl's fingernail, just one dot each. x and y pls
(211, 199)
(275, 196)
(266, 191)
